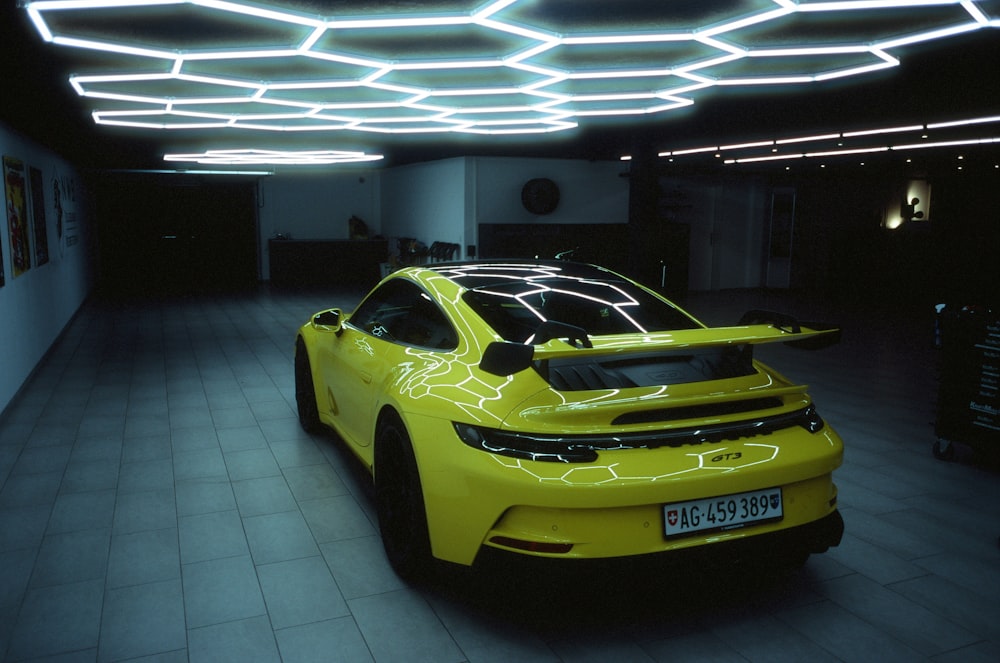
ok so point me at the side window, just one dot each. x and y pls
(401, 312)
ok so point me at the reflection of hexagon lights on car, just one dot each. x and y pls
(584, 448)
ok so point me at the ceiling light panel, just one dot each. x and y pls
(465, 66)
(881, 22)
(173, 27)
(254, 157)
(294, 69)
(576, 18)
(435, 42)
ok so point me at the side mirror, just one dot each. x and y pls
(329, 320)
(503, 358)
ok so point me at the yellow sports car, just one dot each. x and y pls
(560, 410)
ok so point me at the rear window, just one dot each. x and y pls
(516, 308)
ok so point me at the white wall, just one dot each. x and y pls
(447, 200)
(589, 191)
(427, 202)
(37, 305)
(438, 201)
(316, 206)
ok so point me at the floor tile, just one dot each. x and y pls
(279, 537)
(296, 453)
(193, 438)
(336, 518)
(486, 640)
(400, 626)
(152, 447)
(58, 619)
(149, 510)
(335, 641)
(910, 623)
(233, 417)
(17, 567)
(244, 641)
(74, 512)
(221, 590)
(203, 464)
(754, 638)
(251, 464)
(300, 591)
(211, 536)
(195, 496)
(146, 475)
(23, 527)
(241, 438)
(100, 447)
(30, 490)
(142, 620)
(311, 482)
(90, 476)
(360, 567)
(143, 557)
(42, 459)
(72, 557)
(956, 603)
(262, 496)
(845, 635)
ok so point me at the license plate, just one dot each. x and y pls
(722, 513)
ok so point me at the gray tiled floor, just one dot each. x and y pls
(159, 499)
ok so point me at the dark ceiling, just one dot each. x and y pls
(937, 81)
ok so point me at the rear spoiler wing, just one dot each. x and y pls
(830, 333)
(504, 358)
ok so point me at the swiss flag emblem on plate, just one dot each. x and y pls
(672, 517)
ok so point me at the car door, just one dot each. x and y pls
(396, 316)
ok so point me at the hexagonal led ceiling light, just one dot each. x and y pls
(254, 157)
(465, 66)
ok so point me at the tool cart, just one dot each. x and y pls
(968, 408)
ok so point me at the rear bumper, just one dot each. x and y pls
(777, 549)
(613, 507)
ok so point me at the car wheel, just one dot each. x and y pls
(943, 450)
(305, 391)
(400, 502)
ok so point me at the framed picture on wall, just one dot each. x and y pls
(15, 190)
(38, 225)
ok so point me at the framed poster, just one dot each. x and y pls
(17, 215)
(38, 225)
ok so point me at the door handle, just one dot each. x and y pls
(367, 377)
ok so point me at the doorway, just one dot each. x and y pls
(176, 234)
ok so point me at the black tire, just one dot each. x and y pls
(399, 502)
(305, 391)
